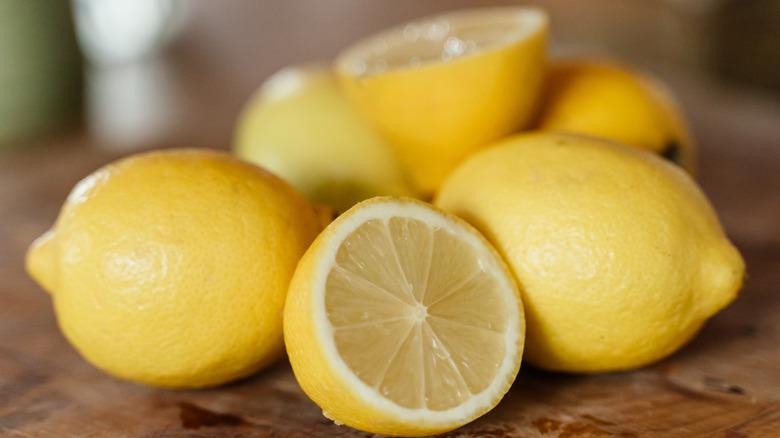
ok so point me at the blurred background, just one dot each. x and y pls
(130, 73)
(82, 79)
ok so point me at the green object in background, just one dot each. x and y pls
(40, 69)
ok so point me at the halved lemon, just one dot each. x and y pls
(440, 87)
(403, 320)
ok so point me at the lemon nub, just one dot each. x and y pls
(416, 314)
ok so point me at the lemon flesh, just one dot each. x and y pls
(403, 321)
(440, 39)
(441, 87)
(607, 100)
(171, 268)
(619, 255)
(300, 126)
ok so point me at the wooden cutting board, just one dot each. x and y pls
(725, 383)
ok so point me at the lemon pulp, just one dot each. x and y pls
(415, 315)
(442, 38)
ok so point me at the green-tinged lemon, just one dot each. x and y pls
(300, 126)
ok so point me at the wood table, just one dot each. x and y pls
(726, 383)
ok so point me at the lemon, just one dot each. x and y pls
(441, 87)
(618, 254)
(403, 320)
(608, 100)
(171, 268)
(300, 126)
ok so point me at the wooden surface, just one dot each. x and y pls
(726, 383)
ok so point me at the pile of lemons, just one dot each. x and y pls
(583, 245)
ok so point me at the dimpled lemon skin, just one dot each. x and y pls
(619, 255)
(300, 126)
(605, 99)
(171, 268)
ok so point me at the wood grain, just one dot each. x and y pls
(726, 383)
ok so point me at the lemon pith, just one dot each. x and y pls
(402, 321)
(618, 254)
(171, 268)
(441, 87)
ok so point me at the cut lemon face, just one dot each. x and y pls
(440, 87)
(403, 320)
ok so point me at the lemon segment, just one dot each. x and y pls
(401, 320)
(619, 255)
(440, 88)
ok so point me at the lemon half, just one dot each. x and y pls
(443, 86)
(403, 320)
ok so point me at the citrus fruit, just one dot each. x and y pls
(403, 320)
(300, 126)
(618, 254)
(605, 99)
(171, 268)
(441, 87)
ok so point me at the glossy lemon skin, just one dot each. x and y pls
(171, 268)
(619, 255)
(608, 100)
(301, 126)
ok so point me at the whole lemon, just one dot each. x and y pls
(300, 126)
(171, 268)
(605, 99)
(619, 255)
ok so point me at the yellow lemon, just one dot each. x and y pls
(441, 87)
(171, 268)
(403, 320)
(607, 100)
(618, 254)
(300, 126)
